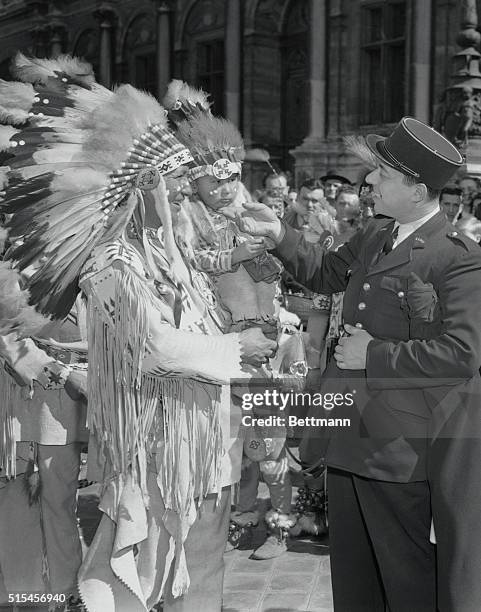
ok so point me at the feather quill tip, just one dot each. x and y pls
(179, 93)
(357, 146)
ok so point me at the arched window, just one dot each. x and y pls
(203, 40)
(87, 47)
(383, 61)
(295, 76)
(139, 53)
(5, 69)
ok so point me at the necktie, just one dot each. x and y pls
(388, 244)
(390, 240)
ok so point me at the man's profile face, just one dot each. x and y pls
(217, 193)
(276, 185)
(177, 185)
(347, 205)
(331, 187)
(391, 196)
(450, 204)
(310, 200)
(292, 197)
(468, 186)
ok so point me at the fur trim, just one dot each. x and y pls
(182, 101)
(276, 519)
(35, 70)
(204, 134)
(179, 91)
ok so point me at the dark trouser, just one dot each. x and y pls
(455, 481)
(381, 557)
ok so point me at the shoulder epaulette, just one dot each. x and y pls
(462, 240)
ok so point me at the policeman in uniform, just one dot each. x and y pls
(410, 357)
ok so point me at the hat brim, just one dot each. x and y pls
(336, 177)
(372, 141)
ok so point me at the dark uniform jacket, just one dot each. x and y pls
(422, 304)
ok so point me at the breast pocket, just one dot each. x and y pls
(390, 319)
(415, 301)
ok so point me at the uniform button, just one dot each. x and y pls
(359, 325)
(361, 305)
(366, 286)
(400, 294)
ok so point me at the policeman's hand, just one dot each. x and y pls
(255, 347)
(248, 250)
(76, 385)
(350, 353)
(260, 220)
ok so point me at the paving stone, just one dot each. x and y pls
(320, 601)
(241, 601)
(298, 563)
(292, 582)
(324, 584)
(242, 565)
(325, 567)
(244, 582)
(277, 602)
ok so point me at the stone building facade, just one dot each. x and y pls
(294, 75)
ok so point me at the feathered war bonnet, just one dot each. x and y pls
(216, 144)
(81, 156)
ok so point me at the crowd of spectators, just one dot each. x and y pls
(333, 204)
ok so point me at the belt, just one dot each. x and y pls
(64, 355)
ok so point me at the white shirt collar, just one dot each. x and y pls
(406, 229)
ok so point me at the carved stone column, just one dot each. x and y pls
(317, 76)
(163, 49)
(106, 17)
(57, 30)
(233, 61)
(422, 16)
(458, 115)
(310, 154)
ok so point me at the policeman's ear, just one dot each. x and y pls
(420, 193)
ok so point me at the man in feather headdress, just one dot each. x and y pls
(43, 422)
(89, 163)
(42, 426)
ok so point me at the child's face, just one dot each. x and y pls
(217, 193)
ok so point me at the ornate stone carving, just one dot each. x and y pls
(141, 32)
(459, 115)
(204, 16)
(268, 16)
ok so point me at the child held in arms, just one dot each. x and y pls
(245, 274)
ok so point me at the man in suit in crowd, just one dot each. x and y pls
(410, 356)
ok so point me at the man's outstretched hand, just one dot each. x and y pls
(255, 347)
(260, 220)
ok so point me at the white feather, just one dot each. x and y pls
(6, 133)
(37, 70)
(16, 99)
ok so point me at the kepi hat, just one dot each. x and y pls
(418, 150)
